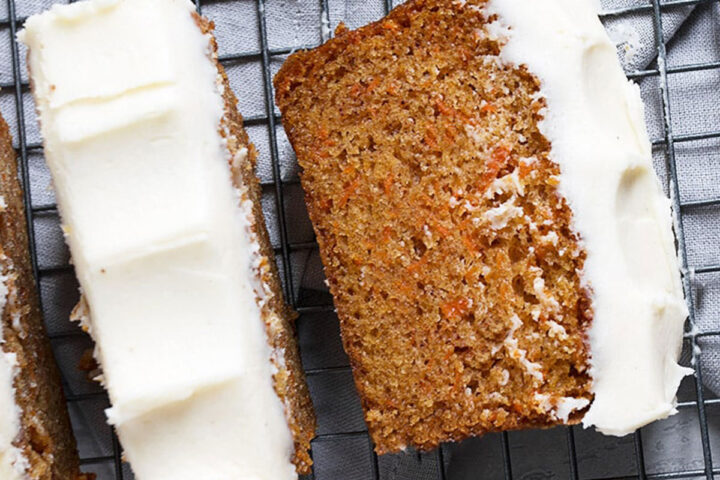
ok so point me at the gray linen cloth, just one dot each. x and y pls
(692, 35)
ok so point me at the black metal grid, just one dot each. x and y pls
(277, 185)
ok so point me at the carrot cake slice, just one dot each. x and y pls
(499, 249)
(160, 206)
(36, 439)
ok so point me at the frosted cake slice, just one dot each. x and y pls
(160, 206)
(499, 249)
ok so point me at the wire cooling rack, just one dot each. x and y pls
(342, 449)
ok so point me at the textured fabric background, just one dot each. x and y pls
(693, 36)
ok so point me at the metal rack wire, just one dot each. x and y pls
(278, 186)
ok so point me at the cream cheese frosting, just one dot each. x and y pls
(13, 464)
(594, 120)
(130, 109)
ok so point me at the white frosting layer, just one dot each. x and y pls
(130, 107)
(594, 120)
(13, 464)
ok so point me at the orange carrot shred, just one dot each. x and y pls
(455, 308)
(443, 231)
(416, 265)
(373, 84)
(469, 245)
(349, 190)
(488, 108)
(431, 137)
(390, 25)
(444, 109)
(388, 183)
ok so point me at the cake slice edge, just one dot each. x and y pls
(46, 442)
(289, 381)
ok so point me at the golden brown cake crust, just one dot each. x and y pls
(46, 437)
(448, 248)
(289, 381)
